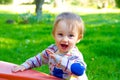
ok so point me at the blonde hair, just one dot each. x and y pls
(72, 20)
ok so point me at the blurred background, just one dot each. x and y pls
(26, 25)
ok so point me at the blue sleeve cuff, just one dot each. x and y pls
(77, 69)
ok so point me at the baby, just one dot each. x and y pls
(64, 59)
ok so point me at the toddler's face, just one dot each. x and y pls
(65, 37)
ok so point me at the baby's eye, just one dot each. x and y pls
(71, 35)
(60, 34)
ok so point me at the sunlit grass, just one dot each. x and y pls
(6, 43)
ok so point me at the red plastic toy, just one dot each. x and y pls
(7, 74)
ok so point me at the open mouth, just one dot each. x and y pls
(64, 46)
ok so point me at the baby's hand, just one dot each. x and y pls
(51, 54)
(18, 68)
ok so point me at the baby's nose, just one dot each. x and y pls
(65, 39)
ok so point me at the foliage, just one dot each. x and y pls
(75, 2)
(100, 46)
(5, 1)
(26, 18)
(117, 3)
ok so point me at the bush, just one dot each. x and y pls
(6, 1)
(117, 3)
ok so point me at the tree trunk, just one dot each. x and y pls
(38, 9)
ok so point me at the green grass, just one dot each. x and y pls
(100, 46)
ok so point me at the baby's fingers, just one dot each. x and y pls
(15, 68)
(18, 68)
(22, 68)
(49, 51)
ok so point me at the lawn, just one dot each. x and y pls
(100, 46)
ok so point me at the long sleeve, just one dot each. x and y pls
(36, 61)
(72, 65)
(39, 59)
(33, 62)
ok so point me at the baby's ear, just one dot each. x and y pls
(79, 38)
